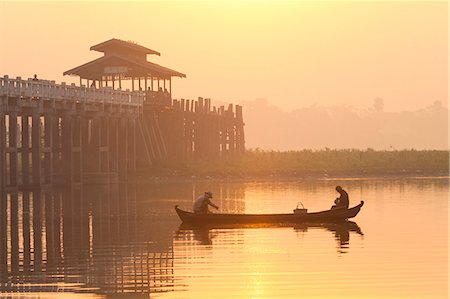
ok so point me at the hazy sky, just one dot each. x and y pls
(292, 53)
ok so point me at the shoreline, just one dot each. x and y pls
(175, 178)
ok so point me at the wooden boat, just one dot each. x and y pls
(332, 215)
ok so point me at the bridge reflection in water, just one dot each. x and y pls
(82, 241)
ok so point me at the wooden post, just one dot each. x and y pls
(224, 132)
(123, 148)
(95, 152)
(48, 144)
(66, 143)
(240, 130)
(113, 144)
(56, 146)
(13, 149)
(131, 145)
(36, 149)
(25, 150)
(76, 148)
(104, 144)
(2, 153)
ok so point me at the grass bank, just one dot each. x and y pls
(334, 163)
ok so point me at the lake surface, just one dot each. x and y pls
(127, 242)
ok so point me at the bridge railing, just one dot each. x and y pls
(49, 90)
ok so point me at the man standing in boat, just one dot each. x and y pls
(202, 202)
(342, 201)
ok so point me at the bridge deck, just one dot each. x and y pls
(49, 90)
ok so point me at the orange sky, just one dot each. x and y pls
(294, 54)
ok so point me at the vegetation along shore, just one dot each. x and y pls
(311, 163)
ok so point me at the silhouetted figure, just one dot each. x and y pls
(160, 96)
(202, 202)
(93, 84)
(35, 78)
(342, 200)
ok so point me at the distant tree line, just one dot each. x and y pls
(268, 127)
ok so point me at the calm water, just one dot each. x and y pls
(127, 242)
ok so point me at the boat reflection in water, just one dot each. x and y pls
(204, 233)
(341, 231)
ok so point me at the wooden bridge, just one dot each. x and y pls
(60, 134)
(63, 134)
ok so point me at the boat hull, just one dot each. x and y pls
(333, 215)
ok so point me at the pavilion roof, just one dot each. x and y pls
(118, 44)
(107, 65)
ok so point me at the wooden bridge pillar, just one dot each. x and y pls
(2, 153)
(66, 148)
(114, 126)
(91, 145)
(95, 143)
(25, 150)
(36, 149)
(48, 148)
(57, 154)
(131, 145)
(104, 144)
(12, 149)
(123, 148)
(240, 136)
(231, 130)
(84, 131)
(76, 149)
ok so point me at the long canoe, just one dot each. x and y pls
(333, 215)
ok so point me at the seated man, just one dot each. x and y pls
(342, 201)
(202, 202)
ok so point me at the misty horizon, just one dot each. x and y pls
(268, 127)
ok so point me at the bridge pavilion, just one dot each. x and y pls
(125, 60)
